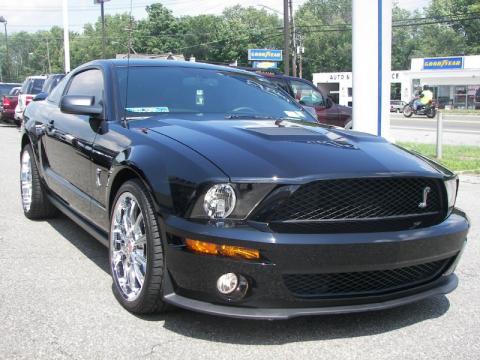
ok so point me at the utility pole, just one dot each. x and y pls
(294, 40)
(286, 39)
(301, 50)
(102, 14)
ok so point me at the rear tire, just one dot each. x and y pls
(136, 251)
(35, 203)
(431, 113)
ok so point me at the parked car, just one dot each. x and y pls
(30, 87)
(218, 193)
(307, 94)
(51, 82)
(5, 89)
(397, 106)
(9, 102)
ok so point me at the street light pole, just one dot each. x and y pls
(4, 21)
(66, 37)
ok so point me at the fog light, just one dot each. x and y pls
(232, 286)
(227, 283)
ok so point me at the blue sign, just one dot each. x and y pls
(443, 63)
(265, 55)
(265, 64)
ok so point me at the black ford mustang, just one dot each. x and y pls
(216, 192)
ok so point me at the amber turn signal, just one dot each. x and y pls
(222, 250)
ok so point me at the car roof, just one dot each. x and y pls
(36, 77)
(169, 63)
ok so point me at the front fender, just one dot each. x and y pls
(169, 170)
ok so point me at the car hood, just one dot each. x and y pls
(279, 150)
(345, 109)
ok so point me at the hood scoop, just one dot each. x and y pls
(302, 135)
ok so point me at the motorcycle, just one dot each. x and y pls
(429, 110)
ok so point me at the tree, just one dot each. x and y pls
(324, 26)
(159, 33)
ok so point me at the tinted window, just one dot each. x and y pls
(57, 93)
(5, 88)
(87, 83)
(306, 94)
(32, 86)
(51, 82)
(194, 90)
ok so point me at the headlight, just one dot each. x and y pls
(219, 201)
(235, 201)
(451, 187)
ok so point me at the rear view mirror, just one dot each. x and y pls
(80, 105)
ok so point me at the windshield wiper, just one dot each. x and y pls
(246, 116)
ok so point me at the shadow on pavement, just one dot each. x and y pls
(237, 331)
(79, 238)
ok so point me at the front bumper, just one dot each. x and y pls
(191, 278)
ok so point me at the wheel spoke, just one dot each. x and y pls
(128, 245)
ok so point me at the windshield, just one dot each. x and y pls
(5, 88)
(170, 89)
(32, 86)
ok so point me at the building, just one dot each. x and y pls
(454, 80)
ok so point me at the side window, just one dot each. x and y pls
(280, 83)
(306, 94)
(88, 83)
(57, 92)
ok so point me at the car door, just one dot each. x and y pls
(68, 144)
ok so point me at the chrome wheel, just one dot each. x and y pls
(128, 246)
(26, 180)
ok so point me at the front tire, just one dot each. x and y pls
(35, 203)
(136, 250)
(407, 111)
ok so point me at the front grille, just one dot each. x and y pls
(347, 203)
(364, 282)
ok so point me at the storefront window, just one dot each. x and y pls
(473, 97)
(460, 100)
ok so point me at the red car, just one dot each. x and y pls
(9, 102)
(308, 95)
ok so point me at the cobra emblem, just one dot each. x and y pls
(423, 204)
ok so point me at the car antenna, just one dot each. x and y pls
(130, 29)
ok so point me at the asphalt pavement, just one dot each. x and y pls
(56, 302)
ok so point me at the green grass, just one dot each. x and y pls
(455, 157)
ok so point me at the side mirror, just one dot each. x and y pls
(41, 96)
(329, 103)
(80, 105)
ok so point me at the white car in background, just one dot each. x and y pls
(30, 87)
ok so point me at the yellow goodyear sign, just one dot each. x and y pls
(443, 63)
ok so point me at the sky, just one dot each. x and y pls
(33, 15)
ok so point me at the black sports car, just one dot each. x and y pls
(216, 192)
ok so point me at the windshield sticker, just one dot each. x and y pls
(295, 114)
(155, 109)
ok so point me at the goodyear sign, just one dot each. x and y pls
(265, 55)
(443, 63)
